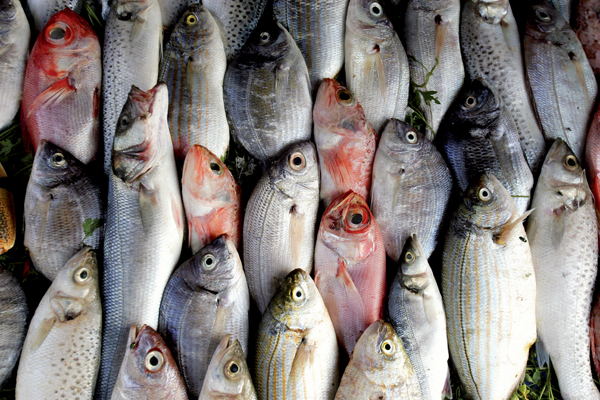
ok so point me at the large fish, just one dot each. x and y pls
(345, 141)
(61, 354)
(8, 221)
(206, 298)
(376, 63)
(43, 10)
(193, 66)
(489, 291)
(587, 27)
(296, 350)
(279, 225)
(144, 225)
(62, 194)
(350, 267)
(268, 93)
(131, 55)
(411, 188)
(13, 324)
(563, 236)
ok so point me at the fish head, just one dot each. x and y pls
(544, 21)
(478, 105)
(8, 12)
(489, 204)
(53, 166)
(297, 166)
(379, 348)
(269, 42)
(132, 10)
(368, 18)
(139, 140)
(414, 266)
(337, 109)
(194, 28)
(403, 144)
(227, 375)
(492, 12)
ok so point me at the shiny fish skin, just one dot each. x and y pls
(61, 194)
(193, 66)
(13, 323)
(318, 28)
(411, 188)
(562, 82)
(564, 7)
(563, 237)
(592, 160)
(487, 271)
(172, 10)
(279, 225)
(430, 33)
(296, 350)
(61, 354)
(206, 298)
(379, 368)
(43, 10)
(144, 226)
(8, 221)
(587, 27)
(595, 333)
(267, 93)
(376, 64)
(491, 50)
(416, 311)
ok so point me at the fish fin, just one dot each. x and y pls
(177, 213)
(148, 202)
(581, 76)
(376, 65)
(2, 172)
(54, 94)
(542, 355)
(65, 308)
(302, 374)
(192, 70)
(350, 298)
(339, 165)
(447, 390)
(508, 229)
(296, 233)
(282, 76)
(440, 37)
(41, 333)
(222, 316)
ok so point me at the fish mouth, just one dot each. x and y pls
(492, 12)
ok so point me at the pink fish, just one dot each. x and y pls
(592, 160)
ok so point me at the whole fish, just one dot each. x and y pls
(62, 194)
(131, 55)
(228, 375)
(491, 50)
(489, 291)
(144, 225)
(318, 28)
(376, 63)
(61, 93)
(14, 51)
(13, 323)
(172, 10)
(411, 188)
(595, 333)
(267, 93)
(43, 10)
(279, 225)
(478, 135)
(350, 267)
(587, 27)
(193, 66)
(433, 46)
(61, 354)
(416, 311)
(206, 298)
(296, 350)
(563, 237)
(345, 141)
(238, 18)
(562, 82)
(379, 368)
(148, 370)
(8, 221)
(212, 199)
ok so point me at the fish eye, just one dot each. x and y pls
(387, 347)
(297, 161)
(571, 162)
(345, 97)
(57, 33)
(58, 160)
(232, 370)
(298, 294)
(543, 16)
(154, 361)
(216, 168)
(82, 275)
(208, 262)
(124, 121)
(411, 137)
(125, 16)
(484, 194)
(356, 219)
(409, 257)
(264, 37)
(376, 9)
(191, 19)
(470, 102)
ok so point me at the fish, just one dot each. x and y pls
(148, 370)
(228, 375)
(14, 52)
(172, 10)
(379, 368)
(376, 64)
(268, 93)
(350, 270)
(131, 56)
(595, 333)
(478, 135)
(13, 324)
(42, 11)
(8, 221)
(61, 354)
(563, 235)
(279, 225)
(416, 312)
(562, 82)
(212, 199)
(489, 291)
(433, 46)
(345, 141)
(296, 350)
(592, 160)
(318, 27)
(206, 298)
(491, 50)
(564, 7)
(587, 26)
(411, 188)
(61, 92)
(144, 226)
(62, 194)
(193, 66)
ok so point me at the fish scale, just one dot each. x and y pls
(14, 311)
(42, 10)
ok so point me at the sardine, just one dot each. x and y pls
(13, 323)
(8, 220)
(587, 27)
(43, 10)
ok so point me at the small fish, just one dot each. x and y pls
(13, 324)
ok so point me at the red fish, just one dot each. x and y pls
(61, 91)
(592, 159)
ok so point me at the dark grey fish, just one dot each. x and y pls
(13, 319)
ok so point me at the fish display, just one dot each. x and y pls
(13, 323)
(43, 10)
(8, 219)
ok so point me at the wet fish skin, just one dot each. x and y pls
(193, 66)
(13, 324)
(279, 225)
(564, 7)
(411, 188)
(61, 195)
(595, 333)
(296, 349)
(563, 236)
(172, 10)
(61, 354)
(592, 159)
(379, 368)
(587, 26)
(43, 10)
(8, 221)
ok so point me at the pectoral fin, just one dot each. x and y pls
(56, 93)
(301, 383)
(441, 28)
(41, 333)
(509, 228)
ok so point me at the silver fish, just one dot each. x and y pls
(564, 7)
(172, 10)
(42, 10)
(13, 323)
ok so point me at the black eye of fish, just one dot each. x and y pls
(344, 96)
(57, 33)
(571, 162)
(297, 161)
(124, 122)
(484, 194)
(470, 102)
(376, 9)
(58, 160)
(233, 368)
(356, 219)
(125, 16)
(216, 168)
(543, 15)
(265, 37)
(83, 275)
(191, 20)
(411, 137)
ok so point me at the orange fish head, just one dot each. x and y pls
(337, 108)
(204, 174)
